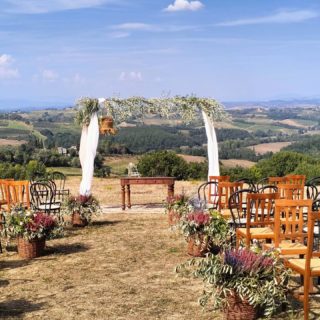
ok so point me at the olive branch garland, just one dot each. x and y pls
(186, 107)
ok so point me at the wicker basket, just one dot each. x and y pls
(77, 221)
(173, 217)
(239, 310)
(29, 249)
(198, 245)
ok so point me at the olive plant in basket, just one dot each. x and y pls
(241, 282)
(204, 232)
(31, 230)
(176, 207)
(81, 209)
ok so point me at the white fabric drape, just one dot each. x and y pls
(88, 148)
(213, 152)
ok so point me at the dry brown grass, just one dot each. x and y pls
(11, 142)
(269, 147)
(119, 268)
(231, 163)
(189, 158)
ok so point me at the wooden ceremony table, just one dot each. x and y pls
(127, 181)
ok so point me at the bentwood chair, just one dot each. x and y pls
(238, 207)
(309, 266)
(60, 180)
(42, 198)
(260, 218)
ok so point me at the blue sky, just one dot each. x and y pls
(59, 50)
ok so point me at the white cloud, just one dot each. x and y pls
(6, 70)
(42, 6)
(118, 35)
(130, 76)
(49, 75)
(135, 26)
(279, 17)
(183, 5)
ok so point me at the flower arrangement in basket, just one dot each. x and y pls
(241, 282)
(81, 209)
(204, 231)
(176, 207)
(31, 230)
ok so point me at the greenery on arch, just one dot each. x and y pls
(188, 108)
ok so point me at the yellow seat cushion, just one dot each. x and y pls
(255, 232)
(288, 246)
(225, 213)
(301, 264)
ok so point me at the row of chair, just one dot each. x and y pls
(279, 212)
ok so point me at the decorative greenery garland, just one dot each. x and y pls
(187, 108)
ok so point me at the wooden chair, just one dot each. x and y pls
(260, 213)
(295, 179)
(213, 191)
(225, 190)
(291, 191)
(309, 266)
(276, 180)
(289, 226)
(18, 193)
(4, 193)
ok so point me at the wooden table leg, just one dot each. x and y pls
(170, 190)
(123, 197)
(128, 196)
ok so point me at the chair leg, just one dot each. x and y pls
(306, 297)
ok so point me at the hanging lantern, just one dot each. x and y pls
(106, 125)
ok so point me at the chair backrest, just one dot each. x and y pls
(203, 192)
(276, 180)
(59, 179)
(312, 192)
(289, 219)
(4, 201)
(313, 227)
(291, 191)
(225, 190)
(260, 209)
(268, 188)
(295, 179)
(213, 191)
(41, 196)
(249, 182)
(238, 207)
(18, 193)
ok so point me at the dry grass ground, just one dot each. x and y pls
(11, 142)
(121, 267)
(269, 147)
(232, 163)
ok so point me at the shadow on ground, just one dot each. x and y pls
(102, 223)
(12, 264)
(17, 308)
(65, 249)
